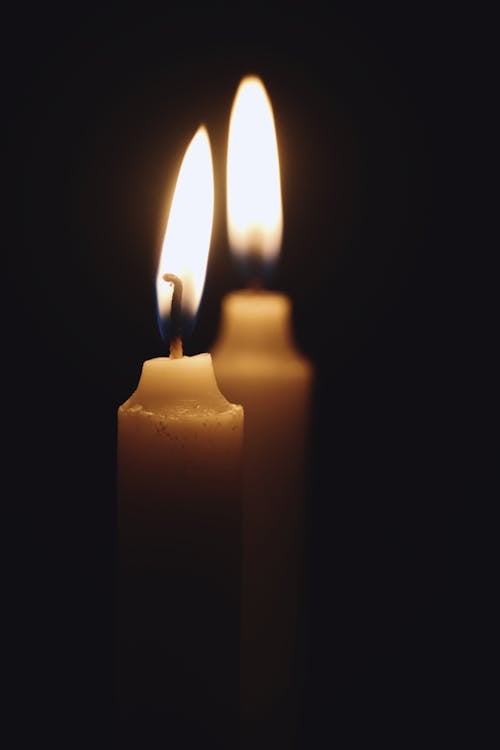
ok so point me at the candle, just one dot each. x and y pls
(258, 364)
(178, 477)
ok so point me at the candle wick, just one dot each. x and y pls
(255, 285)
(175, 315)
(254, 268)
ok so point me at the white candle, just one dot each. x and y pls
(258, 364)
(179, 477)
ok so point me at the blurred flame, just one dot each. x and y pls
(189, 229)
(254, 209)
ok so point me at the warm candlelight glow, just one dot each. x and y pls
(187, 238)
(254, 209)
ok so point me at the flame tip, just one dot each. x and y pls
(250, 78)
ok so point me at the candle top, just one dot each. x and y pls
(256, 326)
(183, 388)
(258, 305)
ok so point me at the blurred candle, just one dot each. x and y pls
(258, 365)
(179, 514)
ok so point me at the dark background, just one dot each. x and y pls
(101, 102)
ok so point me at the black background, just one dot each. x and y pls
(101, 103)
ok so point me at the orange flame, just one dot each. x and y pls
(254, 207)
(189, 229)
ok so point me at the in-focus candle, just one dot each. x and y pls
(179, 513)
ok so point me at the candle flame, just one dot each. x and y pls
(254, 208)
(187, 238)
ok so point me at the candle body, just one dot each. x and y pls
(257, 363)
(179, 514)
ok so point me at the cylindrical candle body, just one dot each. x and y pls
(257, 364)
(179, 525)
